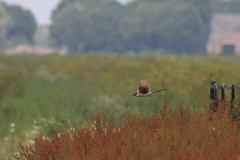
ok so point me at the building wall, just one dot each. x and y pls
(218, 40)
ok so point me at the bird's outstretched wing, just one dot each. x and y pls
(160, 90)
(143, 86)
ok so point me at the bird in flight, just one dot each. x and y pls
(144, 90)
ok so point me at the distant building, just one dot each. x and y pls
(41, 45)
(225, 34)
(42, 36)
(25, 49)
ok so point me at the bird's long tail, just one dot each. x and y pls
(160, 90)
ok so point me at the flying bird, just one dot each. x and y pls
(144, 90)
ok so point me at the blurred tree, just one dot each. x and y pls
(182, 25)
(87, 25)
(5, 23)
(223, 6)
(173, 25)
(22, 31)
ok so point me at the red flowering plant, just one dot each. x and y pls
(165, 134)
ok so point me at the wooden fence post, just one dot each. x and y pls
(213, 92)
(232, 96)
(223, 92)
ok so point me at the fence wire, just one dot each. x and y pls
(224, 86)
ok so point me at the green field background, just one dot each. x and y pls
(37, 92)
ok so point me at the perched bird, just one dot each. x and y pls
(144, 90)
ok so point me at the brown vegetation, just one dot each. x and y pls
(166, 134)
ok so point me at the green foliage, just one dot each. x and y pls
(12, 82)
(230, 6)
(5, 24)
(93, 25)
(141, 25)
(167, 25)
(23, 27)
(63, 88)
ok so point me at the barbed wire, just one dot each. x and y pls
(224, 86)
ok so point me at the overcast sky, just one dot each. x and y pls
(41, 9)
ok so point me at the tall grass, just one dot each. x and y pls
(52, 90)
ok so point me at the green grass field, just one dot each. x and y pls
(37, 92)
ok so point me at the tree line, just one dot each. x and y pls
(170, 25)
(106, 25)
